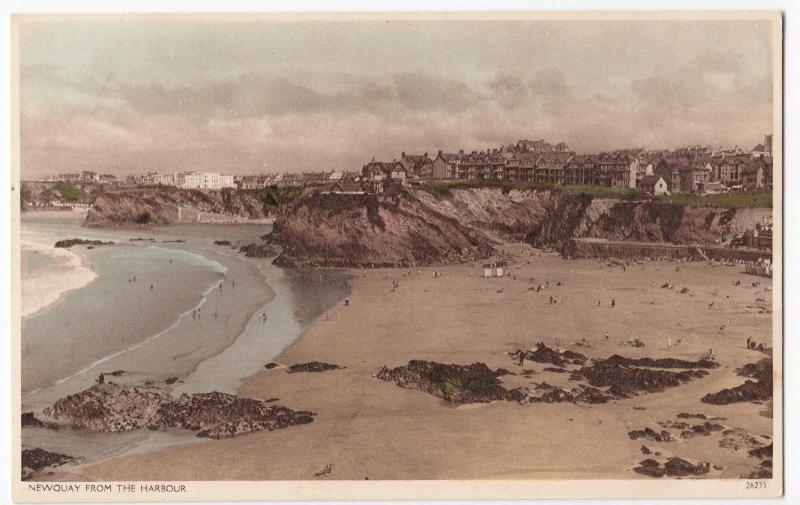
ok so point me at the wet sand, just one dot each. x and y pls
(366, 427)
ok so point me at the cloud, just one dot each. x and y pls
(256, 121)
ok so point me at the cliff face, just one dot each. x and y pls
(550, 219)
(417, 227)
(173, 205)
(367, 230)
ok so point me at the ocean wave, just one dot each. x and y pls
(44, 286)
(193, 258)
(113, 355)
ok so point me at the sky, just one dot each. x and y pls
(126, 96)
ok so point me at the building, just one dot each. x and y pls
(418, 166)
(654, 185)
(195, 180)
(757, 175)
(764, 149)
(446, 165)
(383, 170)
(88, 176)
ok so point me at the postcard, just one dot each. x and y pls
(397, 255)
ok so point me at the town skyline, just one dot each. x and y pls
(142, 95)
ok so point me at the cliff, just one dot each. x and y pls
(339, 230)
(419, 227)
(550, 219)
(172, 205)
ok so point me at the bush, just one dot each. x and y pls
(729, 200)
(70, 193)
(278, 196)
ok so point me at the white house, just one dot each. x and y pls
(660, 187)
(195, 180)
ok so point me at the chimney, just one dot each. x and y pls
(440, 153)
(461, 152)
(403, 155)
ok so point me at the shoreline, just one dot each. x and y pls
(78, 275)
(231, 363)
(366, 427)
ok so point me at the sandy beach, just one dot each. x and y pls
(370, 428)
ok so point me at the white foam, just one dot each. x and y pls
(193, 258)
(45, 286)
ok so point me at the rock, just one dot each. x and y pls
(453, 383)
(651, 471)
(265, 250)
(168, 205)
(222, 242)
(678, 467)
(394, 229)
(650, 434)
(704, 429)
(117, 408)
(625, 381)
(270, 366)
(30, 421)
(764, 471)
(616, 359)
(761, 452)
(544, 354)
(314, 366)
(66, 244)
(684, 415)
(750, 390)
(170, 380)
(645, 450)
(38, 459)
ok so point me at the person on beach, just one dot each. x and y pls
(613, 303)
(606, 335)
(233, 283)
(346, 301)
(151, 287)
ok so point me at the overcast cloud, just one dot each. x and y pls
(246, 97)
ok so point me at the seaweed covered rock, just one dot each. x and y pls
(453, 383)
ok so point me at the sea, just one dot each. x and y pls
(173, 306)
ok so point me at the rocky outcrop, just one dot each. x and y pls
(36, 460)
(67, 243)
(112, 407)
(759, 389)
(619, 378)
(160, 206)
(266, 250)
(313, 366)
(453, 383)
(367, 230)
